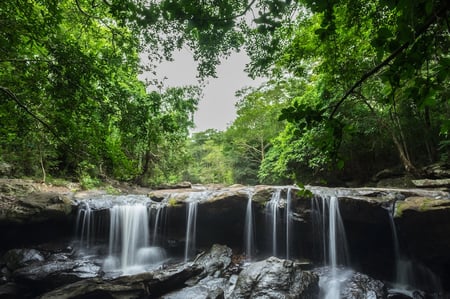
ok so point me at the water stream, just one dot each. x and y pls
(249, 233)
(405, 280)
(334, 244)
(191, 222)
(272, 221)
(84, 225)
(280, 234)
(130, 231)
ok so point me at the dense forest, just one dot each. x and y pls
(353, 87)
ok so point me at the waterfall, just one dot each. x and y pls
(272, 212)
(249, 234)
(327, 217)
(288, 223)
(129, 234)
(337, 243)
(401, 271)
(273, 218)
(328, 223)
(129, 237)
(158, 225)
(191, 223)
(405, 270)
(86, 221)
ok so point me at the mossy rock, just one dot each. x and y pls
(421, 204)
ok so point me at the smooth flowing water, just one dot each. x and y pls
(406, 271)
(249, 233)
(272, 212)
(288, 218)
(84, 225)
(129, 235)
(191, 222)
(158, 224)
(334, 243)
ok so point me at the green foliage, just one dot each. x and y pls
(303, 192)
(351, 82)
(208, 162)
(71, 101)
(350, 113)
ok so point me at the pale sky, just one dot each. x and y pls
(216, 108)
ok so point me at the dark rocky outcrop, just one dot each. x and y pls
(423, 226)
(30, 215)
(144, 285)
(213, 281)
(201, 276)
(351, 284)
(276, 278)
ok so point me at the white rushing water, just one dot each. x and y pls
(249, 233)
(334, 243)
(288, 219)
(280, 234)
(158, 224)
(191, 222)
(84, 225)
(128, 237)
(191, 230)
(272, 212)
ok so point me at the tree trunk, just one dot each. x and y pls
(407, 164)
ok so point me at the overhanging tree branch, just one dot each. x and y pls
(12, 96)
(433, 18)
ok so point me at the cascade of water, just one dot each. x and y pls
(401, 271)
(85, 218)
(249, 230)
(128, 233)
(272, 212)
(328, 219)
(328, 224)
(337, 243)
(158, 225)
(191, 224)
(405, 270)
(288, 222)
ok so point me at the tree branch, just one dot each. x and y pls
(11, 95)
(391, 57)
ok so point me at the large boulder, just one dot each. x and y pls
(27, 218)
(143, 285)
(211, 282)
(346, 283)
(18, 258)
(276, 278)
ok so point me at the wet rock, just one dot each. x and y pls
(346, 283)
(429, 183)
(208, 288)
(34, 217)
(361, 286)
(143, 285)
(18, 258)
(215, 261)
(36, 207)
(276, 278)
(211, 282)
(55, 273)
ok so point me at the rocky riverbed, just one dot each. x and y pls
(40, 254)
